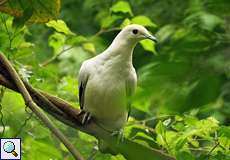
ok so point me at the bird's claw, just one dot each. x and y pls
(119, 134)
(86, 117)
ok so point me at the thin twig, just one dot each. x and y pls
(213, 148)
(30, 103)
(24, 124)
(144, 121)
(55, 56)
(103, 30)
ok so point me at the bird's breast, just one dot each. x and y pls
(105, 97)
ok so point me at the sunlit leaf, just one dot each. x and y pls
(89, 47)
(60, 26)
(26, 45)
(76, 40)
(160, 128)
(148, 45)
(43, 10)
(224, 142)
(180, 143)
(118, 157)
(143, 20)
(122, 6)
(125, 22)
(56, 41)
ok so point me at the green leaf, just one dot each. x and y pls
(203, 128)
(59, 26)
(140, 101)
(26, 45)
(160, 128)
(20, 21)
(190, 120)
(56, 41)
(63, 148)
(43, 10)
(206, 91)
(182, 155)
(143, 20)
(224, 142)
(121, 6)
(170, 137)
(108, 21)
(89, 47)
(178, 126)
(180, 143)
(67, 87)
(224, 131)
(118, 157)
(148, 45)
(38, 149)
(87, 137)
(125, 22)
(76, 40)
(193, 142)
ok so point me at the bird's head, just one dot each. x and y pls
(135, 33)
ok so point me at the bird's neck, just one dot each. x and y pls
(121, 50)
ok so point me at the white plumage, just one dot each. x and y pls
(108, 80)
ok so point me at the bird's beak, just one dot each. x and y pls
(151, 37)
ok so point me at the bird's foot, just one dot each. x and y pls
(119, 134)
(86, 117)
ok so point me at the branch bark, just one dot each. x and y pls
(68, 114)
(30, 103)
(2, 2)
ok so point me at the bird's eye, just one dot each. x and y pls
(135, 31)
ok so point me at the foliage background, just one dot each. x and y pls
(182, 104)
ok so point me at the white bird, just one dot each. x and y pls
(108, 80)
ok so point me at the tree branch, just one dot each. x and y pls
(69, 115)
(3, 2)
(103, 30)
(55, 56)
(30, 103)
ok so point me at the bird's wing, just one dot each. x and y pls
(82, 82)
(131, 84)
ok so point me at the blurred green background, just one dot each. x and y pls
(182, 104)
